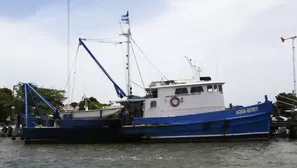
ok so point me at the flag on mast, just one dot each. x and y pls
(125, 17)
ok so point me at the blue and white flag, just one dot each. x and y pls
(125, 17)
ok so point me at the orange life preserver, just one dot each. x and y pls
(172, 101)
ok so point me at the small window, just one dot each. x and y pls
(153, 104)
(181, 91)
(215, 88)
(155, 93)
(221, 88)
(197, 89)
(209, 88)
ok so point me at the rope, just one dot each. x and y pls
(103, 41)
(156, 69)
(138, 85)
(106, 38)
(72, 67)
(121, 27)
(137, 66)
(82, 77)
(74, 76)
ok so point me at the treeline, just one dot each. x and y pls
(12, 101)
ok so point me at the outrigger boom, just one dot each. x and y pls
(119, 91)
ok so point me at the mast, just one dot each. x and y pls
(294, 72)
(129, 87)
(128, 34)
(293, 52)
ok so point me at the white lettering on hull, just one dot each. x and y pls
(247, 110)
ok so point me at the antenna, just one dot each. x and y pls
(293, 52)
(195, 69)
(68, 44)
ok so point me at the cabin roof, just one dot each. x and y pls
(130, 100)
(186, 83)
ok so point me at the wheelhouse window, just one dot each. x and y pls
(215, 88)
(221, 88)
(196, 89)
(154, 93)
(181, 91)
(209, 88)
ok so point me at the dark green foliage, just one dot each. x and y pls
(286, 103)
(6, 97)
(6, 101)
(53, 96)
(73, 104)
(93, 103)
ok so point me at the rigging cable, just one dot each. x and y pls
(82, 77)
(121, 27)
(137, 67)
(67, 83)
(156, 69)
(138, 85)
(74, 74)
(106, 38)
(102, 41)
(123, 54)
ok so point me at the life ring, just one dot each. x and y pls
(173, 103)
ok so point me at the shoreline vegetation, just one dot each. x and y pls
(12, 101)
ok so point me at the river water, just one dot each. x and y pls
(273, 153)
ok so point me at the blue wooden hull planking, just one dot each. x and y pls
(79, 131)
(244, 123)
(252, 122)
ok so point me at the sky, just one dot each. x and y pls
(235, 41)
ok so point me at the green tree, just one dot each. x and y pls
(73, 104)
(53, 96)
(6, 97)
(93, 103)
(6, 101)
(286, 101)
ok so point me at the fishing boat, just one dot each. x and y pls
(187, 109)
(183, 110)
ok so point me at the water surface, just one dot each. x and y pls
(273, 153)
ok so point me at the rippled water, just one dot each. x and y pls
(273, 153)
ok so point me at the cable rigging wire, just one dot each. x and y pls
(156, 69)
(137, 66)
(138, 85)
(82, 77)
(74, 76)
(74, 62)
(102, 41)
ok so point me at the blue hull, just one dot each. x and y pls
(79, 131)
(246, 123)
(252, 122)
